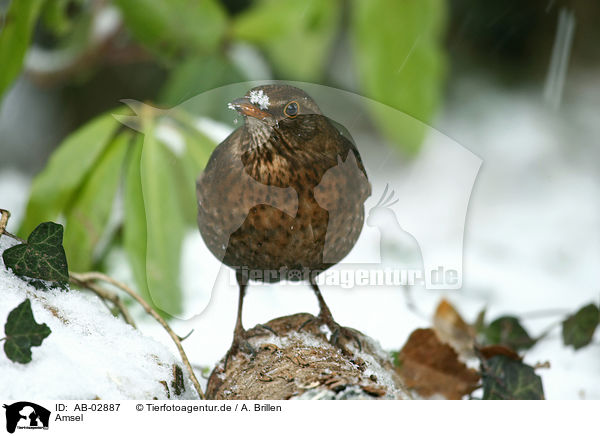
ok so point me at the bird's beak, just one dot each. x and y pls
(243, 106)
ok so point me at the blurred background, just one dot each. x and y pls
(516, 83)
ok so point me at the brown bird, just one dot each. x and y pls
(282, 196)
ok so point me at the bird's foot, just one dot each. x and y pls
(339, 336)
(240, 343)
(347, 335)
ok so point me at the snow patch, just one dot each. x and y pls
(89, 353)
(260, 98)
(325, 330)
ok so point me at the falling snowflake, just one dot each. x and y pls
(260, 98)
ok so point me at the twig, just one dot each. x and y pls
(15, 237)
(540, 365)
(3, 220)
(105, 294)
(548, 330)
(186, 336)
(91, 276)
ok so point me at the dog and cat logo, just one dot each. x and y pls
(26, 415)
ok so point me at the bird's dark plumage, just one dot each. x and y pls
(284, 193)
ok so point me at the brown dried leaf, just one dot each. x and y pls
(430, 367)
(452, 329)
(496, 350)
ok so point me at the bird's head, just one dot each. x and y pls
(272, 104)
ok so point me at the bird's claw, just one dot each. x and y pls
(346, 333)
(337, 332)
(240, 343)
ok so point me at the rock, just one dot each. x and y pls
(291, 362)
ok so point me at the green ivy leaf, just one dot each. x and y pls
(578, 329)
(42, 257)
(69, 165)
(400, 61)
(508, 379)
(297, 36)
(89, 213)
(508, 331)
(16, 28)
(175, 27)
(22, 333)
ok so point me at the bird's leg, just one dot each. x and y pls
(337, 331)
(240, 341)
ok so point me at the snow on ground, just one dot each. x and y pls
(89, 354)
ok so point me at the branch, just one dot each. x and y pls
(92, 276)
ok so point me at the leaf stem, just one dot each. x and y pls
(2, 339)
(93, 276)
(548, 330)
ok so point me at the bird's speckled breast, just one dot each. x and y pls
(263, 211)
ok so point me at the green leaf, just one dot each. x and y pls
(508, 331)
(134, 221)
(66, 170)
(198, 148)
(22, 333)
(196, 75)
(55, 15)
(399, 56)
(16, 28)
(578, 329)
(508, 379)
(175, 27)
(143, 198)
(297, 36)
(165, 222)
(42, 257)
(88, 216)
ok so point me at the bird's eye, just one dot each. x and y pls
(291, 109)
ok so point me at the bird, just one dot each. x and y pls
(282, 197)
